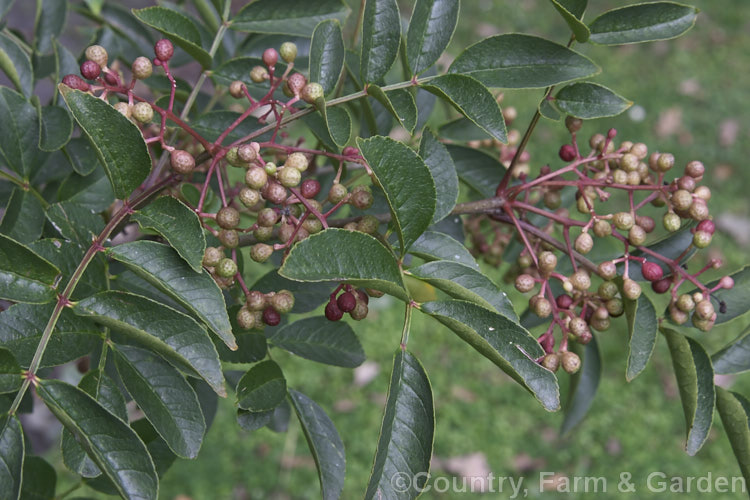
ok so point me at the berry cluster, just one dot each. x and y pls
(351, 300)
(262, 309)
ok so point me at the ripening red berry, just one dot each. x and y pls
(662, 285)
(333, 313)
(270, 57)
(706, 225)
(75, 82)
(567, 152)
(90, 70)
(164, 50)
(652, 271)
(310, 188)
(346, 301)
(271, 316)
(564, 301)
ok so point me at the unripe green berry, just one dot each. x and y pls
(573, 124)
(681, 199)
(602, 228)
(581, 280)
(249, 197)
(640, 150)
(270, 168)
(337, 193)
(247, 153)
(368, 224)
(607, 270)
(283, 301)
(677, 316)
(525, 283)
(704, 309)
(607, 290)
(584, 243)
(228, 217)
(701, 239)
(359, 312)
(623, 220)
(701, 324)
(260, 252)
(698, 210)
(263, 233)
(245, 318)
(288, 51)
(577, 326)
(226, 268)
(267, 217)
(256, 178)
(256, 301)
(570, 361)
(551, 362)
(596, 141)
(361, 197)
(547, 262)
(212, 256)
(181, 161)
(289, 177)
(142, 68)
(685, 303)
(636, 235)
(236, 89)
(600, 324)
(98, 54)
(671, 221)
(620, 176)
(143, 112)
(311, 92)
(259, 74)
(615, 307)
(298, 161)
(633, 178)
(229, 238)
(629, 162)
(665, 162)
(124, 109)
(233, 158)
(552, 200)
(703, 192)
(313, 225)
(631, 289)
(542, 307)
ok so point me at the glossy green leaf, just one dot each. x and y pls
(461, 130)
(522, 61)
(431, 28)
(118, 141)
(10, 372)
(50, 21)
(324, 442)
(735, 299)
(66, 255)
(406, 433)
(110, 442)
(253, 420)
(590, 100)
(381, 37)
(19, 133)
(734, 410)
(165, 397)
(440, 163)
(578, 27)
(178, 225)
(197, 292)
(644, 22)
(466, 283)
(583, 386)
(318, 339)
(92, 191)
(695, 379)
(56, 128)
(81, 155)
(174, 335)
(336, 255)
(262, 388)
(502, 341)
(734, 357)
(407, 183)
(23, 219)
(400, 103)
(16, 65)
(471, 99)
(547, 110)
(338, 125)
(642, 329)
(11, 455)
(101, 387)
(293, 17)
(74, 222)
(39, 479)
(25, 276)
(21, 327)
(307, 296)
(327, 54)
(439, 246)
(477, 169)
(177, 27)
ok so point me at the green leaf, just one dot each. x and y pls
(439, 246)
(109, 441)
(318, 339)
(262, 387)
(471, 99)
(590, 100)
(10, 372)
(102, 388)
(327, 54)
(81, 155)
(165, 397)
(66, 255)
(338, 125)
(178, 28)
(466, 283)
(440, 163)
(39, 479)
(461, 130)
(16, 65)
(118, 141)
(324, 442)
(11, 455)
(431, 28)
(519, 61)
(292, 17)
(644, 22)
(578, 27)
(504, 342)
(336, 255)
(735, 299)
(734, 357)
(21, 327)
(49, 24)
(642, 329)
(400, 103)
(253, 420)
(381, 37)
(406, 433)
(92, 191)
(407, 183)
(197, 292)
(583, 386)
(477, 169)
(75, 222)
(178, 225)
(734, 410)
(174, 335)
(23, 219)
(695, 379)
(25, 276)
(56, 128)
(307, 296)
(547, 110)
(19, 134)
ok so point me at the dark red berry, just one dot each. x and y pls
(707, 226)
(90, 70)
(333, 312)
(110, 78)
(662, 285)
(164, 50)
(346, 301)
(567, 152)
(350, 151)
(75, 82)
(271, 316)
(310, 188)
(652, 271)
(564, 301)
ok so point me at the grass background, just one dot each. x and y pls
(688, 91)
